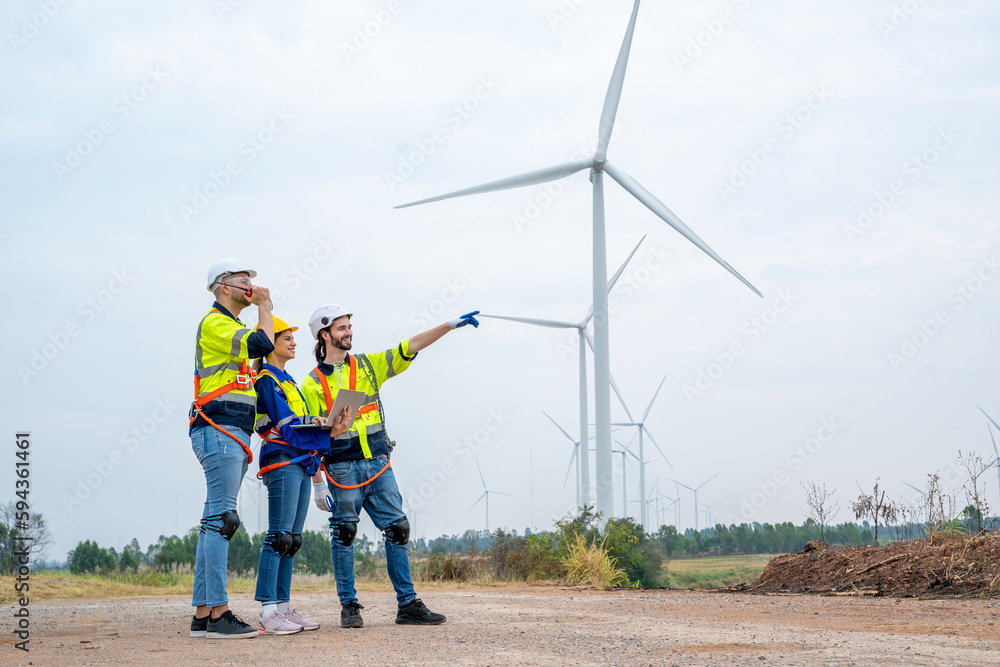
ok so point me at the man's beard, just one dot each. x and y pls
(339, 344)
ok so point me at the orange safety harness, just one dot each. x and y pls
(276, 435)
(244, 381)
(352, 364)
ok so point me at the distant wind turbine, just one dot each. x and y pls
(583, 466)
(575, 458)
(486, 495)
(625, 451)
(996, 452)
(695, 491)
(641, 428)
(598, 165)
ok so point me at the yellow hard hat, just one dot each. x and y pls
(280, 325)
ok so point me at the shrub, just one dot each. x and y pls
(589, 563)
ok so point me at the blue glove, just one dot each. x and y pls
(468, 318)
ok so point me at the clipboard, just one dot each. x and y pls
(346, 398)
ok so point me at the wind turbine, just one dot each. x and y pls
(598, 165)
(623, 451)
(695, 491)
(708, 512)
(576, 457)
(583, 464)
(924, 494)
(996, 461)
(486, 494)
(641, 428)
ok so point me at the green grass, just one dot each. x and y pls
(713, 571)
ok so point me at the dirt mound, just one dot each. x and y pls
(956, 567)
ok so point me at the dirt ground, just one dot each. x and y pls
(537, 626)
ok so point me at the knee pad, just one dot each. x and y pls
(230, 523)
(280, 543)
(397, 532)
(296, 544)
(344, 532)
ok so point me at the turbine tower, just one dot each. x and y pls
(641, 427)
(583, 463)
(486, 494)
(598, 165)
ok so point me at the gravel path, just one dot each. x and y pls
(537, 626)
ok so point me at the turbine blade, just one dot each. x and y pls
(570, 468)
(559, 427)
(991, 432)
(614, 278)
(481, 478)
(615, 90)
(650, 406)
(521, 180)
(684, 485)
(708, 480)
(657, 445)
(659, 208)
(476, 503)
(529, 320)
(614, 385)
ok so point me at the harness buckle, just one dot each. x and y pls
(244, 382)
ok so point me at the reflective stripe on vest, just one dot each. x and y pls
(365, 409)
(295, 400)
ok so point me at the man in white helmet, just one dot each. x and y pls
(357, 470)
(222, 419)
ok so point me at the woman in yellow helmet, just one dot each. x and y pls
(289, 457)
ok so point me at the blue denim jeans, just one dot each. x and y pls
(289, 490)
(382, 501)
(224, 463)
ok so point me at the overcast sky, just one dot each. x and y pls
(840, 155)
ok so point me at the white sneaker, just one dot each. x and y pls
(294, 617)
(277, 624)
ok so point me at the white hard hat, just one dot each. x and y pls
(325, 315)
(225, 267)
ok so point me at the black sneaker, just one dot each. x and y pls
(229, 626)
(417, 613)
(199, 626)
(350, 615)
